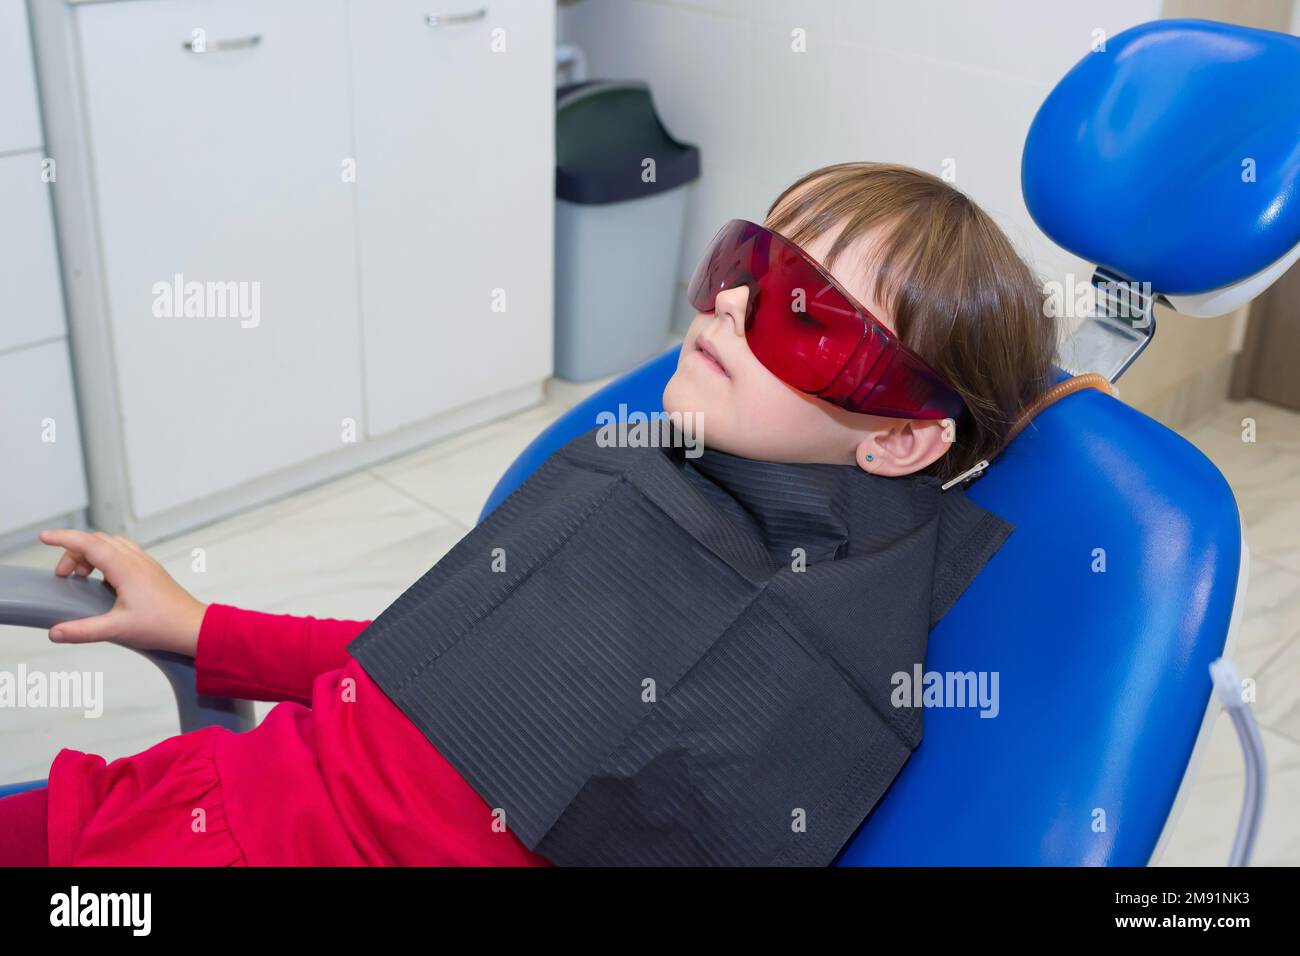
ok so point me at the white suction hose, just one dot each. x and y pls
(1227, 684)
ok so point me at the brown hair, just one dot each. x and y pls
(960, 295)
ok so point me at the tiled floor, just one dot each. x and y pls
(347, 548)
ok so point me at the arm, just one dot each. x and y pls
(256, 656)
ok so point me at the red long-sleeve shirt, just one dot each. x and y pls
(334, 775)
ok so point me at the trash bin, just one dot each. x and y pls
(618, 226)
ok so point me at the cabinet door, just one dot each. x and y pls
(224, 168)
(32, 308)
(20, 122)
(40, 444)
(454, 135)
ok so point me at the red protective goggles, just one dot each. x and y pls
(811, 334)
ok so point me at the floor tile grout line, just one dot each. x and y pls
(1284, 645)
(1284, 734)
(427, 506)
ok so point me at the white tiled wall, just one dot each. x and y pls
(918, 83)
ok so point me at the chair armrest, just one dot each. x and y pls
(33, 598)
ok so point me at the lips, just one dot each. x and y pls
(710, 353)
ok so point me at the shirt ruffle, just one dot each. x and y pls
(161, 807)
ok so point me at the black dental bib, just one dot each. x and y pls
(646, 658)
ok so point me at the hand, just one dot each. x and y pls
(152, 612)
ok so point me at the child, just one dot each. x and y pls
(827, 442)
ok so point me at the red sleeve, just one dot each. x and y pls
(256, 656)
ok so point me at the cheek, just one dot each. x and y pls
(770, 412)
(762, 399)
(779, 423)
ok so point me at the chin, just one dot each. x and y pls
(682, 394)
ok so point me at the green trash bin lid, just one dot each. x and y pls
(605, 130)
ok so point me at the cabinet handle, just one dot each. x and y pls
(221, 46)
(436, 20)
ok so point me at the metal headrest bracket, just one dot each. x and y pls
(1123, 323)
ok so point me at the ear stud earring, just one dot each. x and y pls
(871, 457)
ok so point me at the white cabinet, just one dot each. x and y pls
(40, 469)
(342, 192)
(224, 168)
(32, 306)
(42, 480)
(20, 121)
(454, 137)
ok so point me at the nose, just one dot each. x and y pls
(730, 305)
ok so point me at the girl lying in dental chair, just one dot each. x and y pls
(645, 655)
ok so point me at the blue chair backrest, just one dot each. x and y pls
(1103, 675)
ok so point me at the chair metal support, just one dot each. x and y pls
(1121, 326)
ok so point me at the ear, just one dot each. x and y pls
(903, 446)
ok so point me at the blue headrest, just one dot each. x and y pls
(1135, 161)
(1103, 674)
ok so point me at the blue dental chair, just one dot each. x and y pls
(1125, 577)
